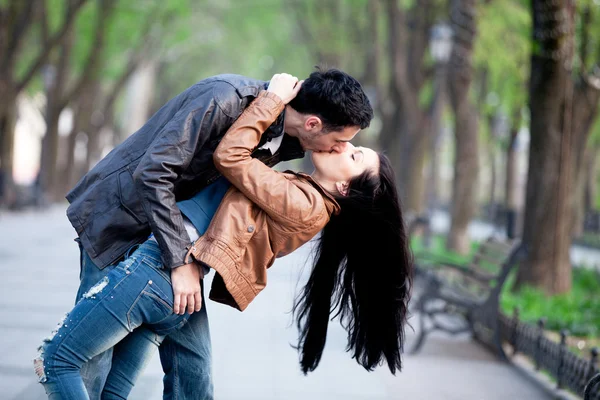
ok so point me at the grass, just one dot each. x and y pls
(437, 250)
(577, 311)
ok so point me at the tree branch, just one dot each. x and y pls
(134, 62)
(586, 20)
(303, 27)
(22, 18)
(105, 9)
(421, 17)
(47, 47)
(43, 14)
(396, 21)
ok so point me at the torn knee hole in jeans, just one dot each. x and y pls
(38, 362)
(38, 366)
(97, 288)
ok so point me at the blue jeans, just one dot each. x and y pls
(137, 291)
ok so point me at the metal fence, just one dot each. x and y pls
(569, 370)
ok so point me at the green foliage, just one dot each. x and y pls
(437, 250)
(32, 41)
(503, 48)
(577, 311)
(593, 34)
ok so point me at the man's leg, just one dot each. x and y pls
(95, 371)
(186, 358)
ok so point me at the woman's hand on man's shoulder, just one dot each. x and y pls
(285, 86)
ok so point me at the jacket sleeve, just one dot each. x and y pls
(287, 203)
(203, 115)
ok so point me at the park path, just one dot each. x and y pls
(252, 354)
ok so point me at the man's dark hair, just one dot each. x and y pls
(336, 98)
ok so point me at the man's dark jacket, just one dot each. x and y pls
(133, 191)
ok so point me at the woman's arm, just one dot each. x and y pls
(270, 190)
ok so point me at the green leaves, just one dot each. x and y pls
(503, 48)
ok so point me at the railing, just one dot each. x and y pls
(570, 371)
(591, 387)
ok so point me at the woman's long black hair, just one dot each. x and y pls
(362, 274)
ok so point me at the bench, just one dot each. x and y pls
(465, 298)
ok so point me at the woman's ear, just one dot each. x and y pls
(342, 187)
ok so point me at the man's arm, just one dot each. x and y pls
(202, 116)
(206, 114)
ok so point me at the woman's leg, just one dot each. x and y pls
(130, 358)
(95, 371)
(131, 294)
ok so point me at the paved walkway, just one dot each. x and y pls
(253, 357)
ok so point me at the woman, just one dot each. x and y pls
(363, 267)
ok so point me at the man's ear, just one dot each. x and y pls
(342, 187)
(313, 123)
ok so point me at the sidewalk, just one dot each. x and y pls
(252, 354)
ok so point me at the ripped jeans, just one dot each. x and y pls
(135, 292)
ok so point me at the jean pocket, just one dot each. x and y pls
(151, 306)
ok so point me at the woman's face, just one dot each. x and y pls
(342, 167)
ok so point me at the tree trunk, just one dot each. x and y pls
(512, 172)
(94, 149)
(584, 114)
(579, 209)
(73, 168)
(435, 118)
(14, 27)
(491, 148)
(7, 137)
(412, 164)
(407, 139)
(512, 192)
(49, 154)
(466, 162)
(591, 184)
(548, 210)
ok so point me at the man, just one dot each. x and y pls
(133, 191)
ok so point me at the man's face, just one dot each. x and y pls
(316, 140)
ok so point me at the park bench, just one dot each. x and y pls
(465, 298)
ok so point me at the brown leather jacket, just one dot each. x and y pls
(266, 214)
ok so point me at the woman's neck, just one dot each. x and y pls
(324, 183)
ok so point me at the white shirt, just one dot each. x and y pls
(273, 144)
